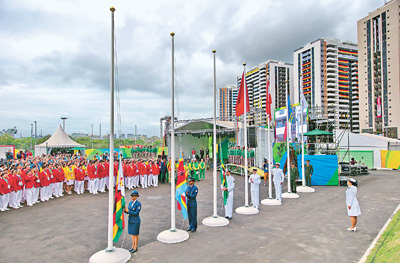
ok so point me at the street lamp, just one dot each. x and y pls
(63, 119)
(92, 136)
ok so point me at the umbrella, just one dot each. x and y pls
(317, 132)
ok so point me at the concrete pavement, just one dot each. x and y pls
(309, 229)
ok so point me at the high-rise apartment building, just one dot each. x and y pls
(327, 72)
(226, 103)
(280, 76)
(379, 56)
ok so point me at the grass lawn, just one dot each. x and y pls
(387, 249)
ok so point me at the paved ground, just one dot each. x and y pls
(309, 229)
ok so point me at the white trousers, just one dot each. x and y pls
(106, 181)
(18, 197)
(141, 179)
(58, 189)
(43, 196)
(150, 179)
(36, 194)
(29, 196)
(155, 180)
(144, 183)
(4, 200)
(130, 182)
(79, 186)
(136, 179)
(49, 190)
(255, 198)
(229, 205)
(278, 190)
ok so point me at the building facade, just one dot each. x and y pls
(226, 104)
(326, 71)
(378, 48)
(280, 76)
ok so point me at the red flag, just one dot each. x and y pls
(285, 134)
(269, 101)
(239, 108)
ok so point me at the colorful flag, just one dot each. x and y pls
(269, 101)
(181, 186)
(239, 107)
(224, 183)
(291, 118)
(119, 204)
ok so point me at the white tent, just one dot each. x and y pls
(58, 140)
(366, 142)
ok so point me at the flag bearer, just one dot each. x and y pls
(230, 185)
(191, 194)
(255, 181)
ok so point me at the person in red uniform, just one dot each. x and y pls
(136, 174)
(79, 179)
(29, 187)
(156, 170)
(101, 175)
(59, 177)
(50, 187)
(5, 190)
(44, 183)
(107, 171)
(36, 184)
(149, 173)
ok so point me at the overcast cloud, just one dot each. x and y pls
(55, 55)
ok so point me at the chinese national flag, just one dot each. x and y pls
(240, 98)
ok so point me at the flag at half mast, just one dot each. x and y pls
(119, 204)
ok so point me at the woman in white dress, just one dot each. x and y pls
(353, 208)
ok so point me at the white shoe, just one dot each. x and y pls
(7, 209)
(16, 207)
(2, 210)
(29, 205)
(352, 229)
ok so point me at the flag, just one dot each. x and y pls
(119, 204)
(304, 102)
(181, 186)
(269, 102)
(239, 107)
(224, 183)
(291, 117)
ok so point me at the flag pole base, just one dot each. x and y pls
(305, 189)
(215, 221)
(172, 236)
(271, 201)
(247, 210)
(290, 195)
(118, 255)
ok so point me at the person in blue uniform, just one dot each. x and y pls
(133, 209)
(191, 194)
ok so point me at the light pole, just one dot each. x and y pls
(92, 136)
(63, 119)
(31, 134)
(35, 131)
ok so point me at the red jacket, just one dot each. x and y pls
(50, 175)
(44, 179)
(29, 181)
(155, 169)
(36, 182)
(19, 182)
(79, 175)
(5, 187)
(90, 171)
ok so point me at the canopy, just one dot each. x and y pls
(317, 132)
(60, 140)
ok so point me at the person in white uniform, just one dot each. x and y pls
(230, 181)
(353, 207)
(255, 181)
(278, 180)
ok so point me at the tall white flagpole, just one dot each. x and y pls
(269, 200)
(303, 188)
(173, 235)
(289, 193)
(215, 220)
(111, 254)
(246, 209)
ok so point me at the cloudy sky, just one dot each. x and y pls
(55, 55)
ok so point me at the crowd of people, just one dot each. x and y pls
(30, 180)
(236, 155)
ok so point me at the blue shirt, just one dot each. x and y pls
(191, 194)
(134, 210)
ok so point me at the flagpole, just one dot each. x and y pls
(173, 235)
(289, 193)
(246, 209)
(269, 200)
(215, 220)
(303, 188)
(111, 254)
